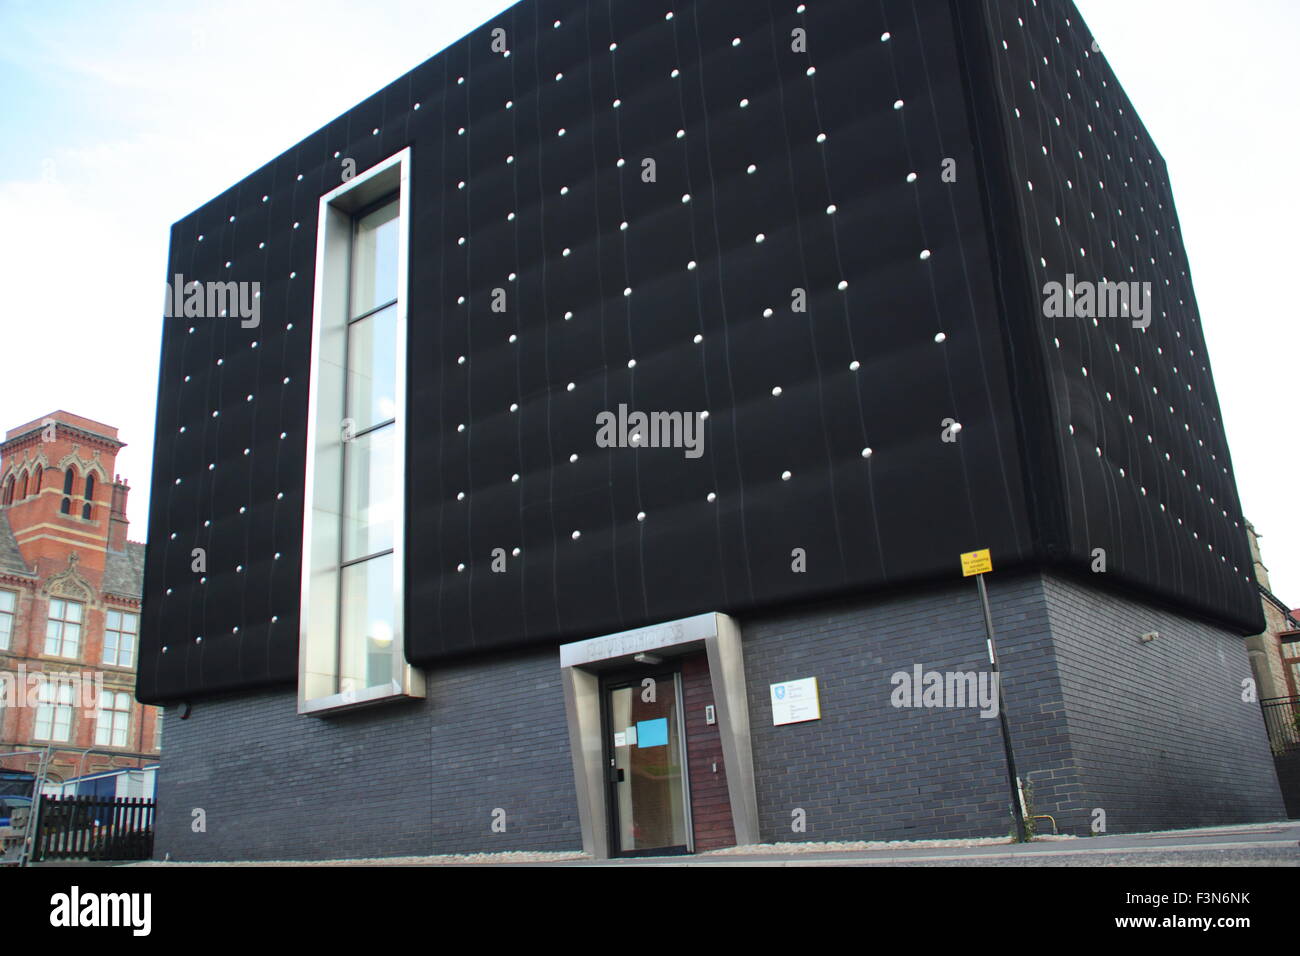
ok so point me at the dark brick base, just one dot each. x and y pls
(1153, 734)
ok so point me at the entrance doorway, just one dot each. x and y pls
(649, 802)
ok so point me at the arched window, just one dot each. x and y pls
(36, 482)
(8, 498)
(22, 489)
(66, 507)
(90, 487)
(67, 481)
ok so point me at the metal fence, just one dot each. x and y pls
(94, 828)
(1282, 718)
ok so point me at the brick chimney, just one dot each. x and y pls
(117, 523)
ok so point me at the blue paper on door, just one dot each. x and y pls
(652, 733)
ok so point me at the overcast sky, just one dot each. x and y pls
(118, 119)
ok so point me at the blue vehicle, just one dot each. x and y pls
(8, 803)
(16, 787)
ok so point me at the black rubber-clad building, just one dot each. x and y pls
(890, 282)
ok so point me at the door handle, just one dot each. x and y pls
(615, 775)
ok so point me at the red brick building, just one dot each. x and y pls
(70, 585)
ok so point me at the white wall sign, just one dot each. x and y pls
(795, 701)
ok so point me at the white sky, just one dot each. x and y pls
(118, 119)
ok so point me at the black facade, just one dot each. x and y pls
(843, 257)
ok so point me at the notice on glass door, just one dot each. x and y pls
(795, 701)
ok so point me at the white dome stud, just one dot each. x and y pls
(570, 387)
(698, 338)
(752, 169)
(911, 177)
(925, 254)
(640, 516)
(573, 459)
(821, 137)
(712, 497)
(576, 535)
(940, 337)
(776, 392)
(884, 37)
(843, 285)
(867, 453)
(854, 366)
(786, 476)
(832, 209)
(898, 104)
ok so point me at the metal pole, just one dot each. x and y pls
(1016, 809)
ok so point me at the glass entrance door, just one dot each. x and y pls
(649, 808)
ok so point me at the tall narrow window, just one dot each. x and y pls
(63, 629)
(22, 490)
(67, 481)
(8, 610)
(352, 608)
(90, 494)
(36, 483)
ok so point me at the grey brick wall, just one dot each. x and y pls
(869, 770)
(407, 779)
(1159, 731)
(1156, 734)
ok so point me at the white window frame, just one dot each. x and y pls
(107, 725)
(322, 687)
(133, 634)
(50, 708)
(63, 623)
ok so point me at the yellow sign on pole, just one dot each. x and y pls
(976, 562)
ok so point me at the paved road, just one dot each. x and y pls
(1276, 844)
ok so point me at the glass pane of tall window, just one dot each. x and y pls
(374, 260)
(63, 629)
(370, 479)
(120, 629)
(8, 611)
